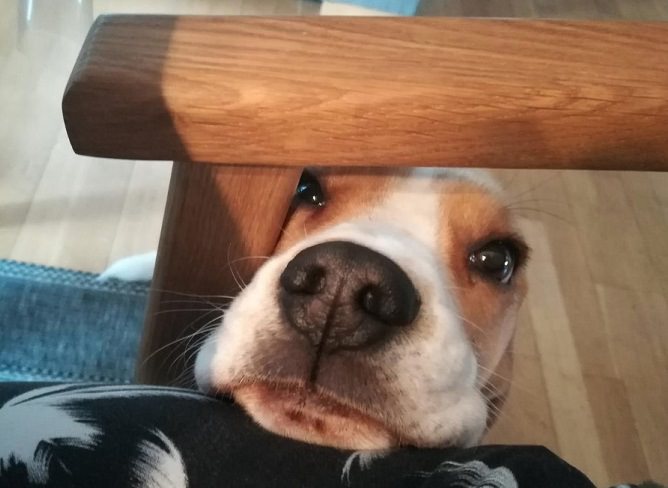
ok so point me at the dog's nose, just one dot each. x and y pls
(341, 295)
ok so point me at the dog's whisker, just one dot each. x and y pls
(185, 373)
(500, 412)
(192, 349)
(175, 310)
(508, 183)
(187, 378)
(221, 306)
(243, 283)
(237, 279)
(204, 331)
(194, 341)
(191, 353)
(249, 258)
(198, 302)
(536, 186)
(494, 373)
(541, 211)
(189, 300)
(191, 324)
(512, 383)
(200, 338)
(497, 411)
(246, 258)
(492, 389)
(231, 268)
(210, 324)
(472, 324)
(202, 335)
(203, 298)
(550, 201)
(169, 344)
(193, 295)
(492, 406)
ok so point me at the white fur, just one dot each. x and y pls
(133, 268)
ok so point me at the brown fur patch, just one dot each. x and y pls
(348, 192)
(473, 217)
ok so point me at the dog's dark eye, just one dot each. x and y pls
(309, 191)
(496, 260)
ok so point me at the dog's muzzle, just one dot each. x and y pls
(341, 295)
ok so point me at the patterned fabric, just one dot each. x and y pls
(132, 436)
(55, 323)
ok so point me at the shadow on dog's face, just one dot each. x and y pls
(384, 316)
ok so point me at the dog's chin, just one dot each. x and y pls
(311, 416)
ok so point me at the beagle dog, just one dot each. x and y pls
(384, 317)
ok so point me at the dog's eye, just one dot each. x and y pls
(496, 260)
(309, 191)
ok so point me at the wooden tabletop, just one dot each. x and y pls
(373, 91)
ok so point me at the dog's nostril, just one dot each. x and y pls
(308, 280)
(375, 304)
(384, 307)
(370, 300)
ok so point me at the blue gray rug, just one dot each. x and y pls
(58, 324)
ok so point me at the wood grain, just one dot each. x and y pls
(217, 220)
(373, 91)
(619, 327)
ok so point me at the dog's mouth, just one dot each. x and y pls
(311, 415)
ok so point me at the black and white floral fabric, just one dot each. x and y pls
(152, 437)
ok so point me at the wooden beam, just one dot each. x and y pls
(218, 220)
(373, 91)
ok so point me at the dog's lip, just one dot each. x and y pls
(310, 407)
(301, 394)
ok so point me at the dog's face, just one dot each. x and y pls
(383, 316)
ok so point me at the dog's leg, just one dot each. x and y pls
(133, 268)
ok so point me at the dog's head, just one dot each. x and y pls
(383, 316)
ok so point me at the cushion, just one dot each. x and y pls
(105, 435)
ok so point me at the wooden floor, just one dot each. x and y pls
(591, 377)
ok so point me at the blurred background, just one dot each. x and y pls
(591, 376)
